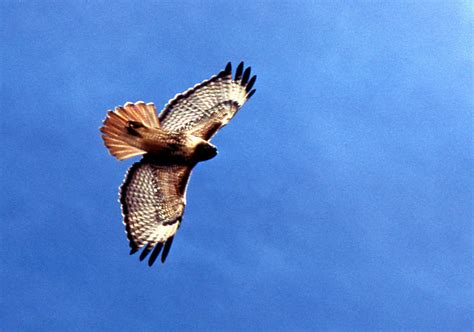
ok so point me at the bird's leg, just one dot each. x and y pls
(132, 127)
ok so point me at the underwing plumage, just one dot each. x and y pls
(153, 194)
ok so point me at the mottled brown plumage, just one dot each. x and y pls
(153, 195)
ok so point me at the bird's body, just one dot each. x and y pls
(153, 195)
(170, 148)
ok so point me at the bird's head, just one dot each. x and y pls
(205, 151)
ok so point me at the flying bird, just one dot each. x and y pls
(153, 194)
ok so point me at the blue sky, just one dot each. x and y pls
(341, 197)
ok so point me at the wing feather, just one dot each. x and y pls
(153, 200)
(209, 105)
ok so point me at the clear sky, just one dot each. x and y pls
(341, 198)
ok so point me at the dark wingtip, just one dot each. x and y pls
(246, 76)
(167, 248)
(250, 94)
(251, 83)
(155, 253)
(238, 73)
(145, 253)
(133, 251)
(228, 68)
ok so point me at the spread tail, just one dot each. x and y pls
(117, 134)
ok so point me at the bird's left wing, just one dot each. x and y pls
(153, 198)
(208, 106)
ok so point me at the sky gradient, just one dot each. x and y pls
(341, 197)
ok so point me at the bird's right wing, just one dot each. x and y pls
(209, 105)
(153, 198)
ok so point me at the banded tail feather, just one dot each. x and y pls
(119, 125)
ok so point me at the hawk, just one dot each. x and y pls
(153, 194)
